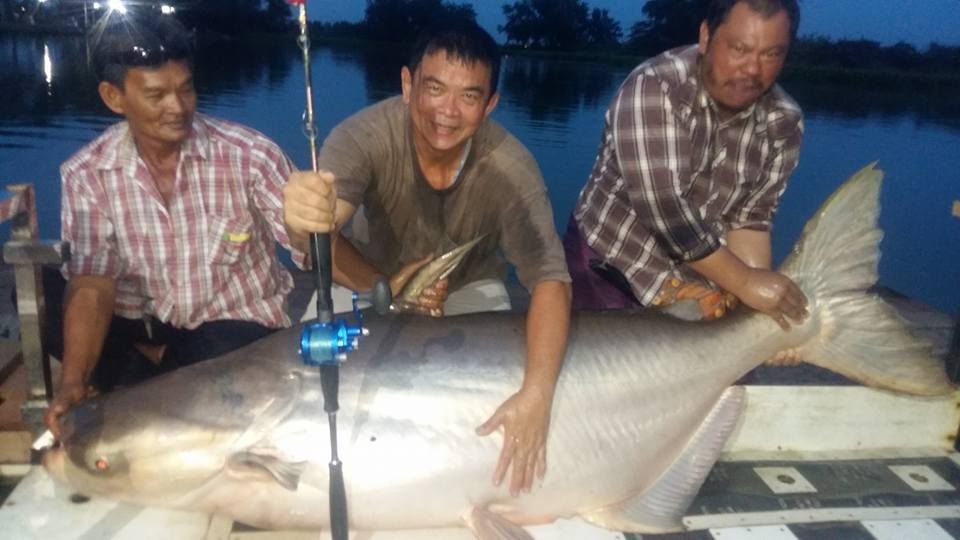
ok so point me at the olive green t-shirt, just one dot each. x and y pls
(499, 193)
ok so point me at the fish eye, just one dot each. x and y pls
(106, 464)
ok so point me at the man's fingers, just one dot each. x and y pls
(542, 461)
(781, 321)
(50, 418)
(491, 424)
(529, 470)
(503, 464)
(309, 200)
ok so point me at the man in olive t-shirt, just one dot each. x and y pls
(433, 171)
(498, 194)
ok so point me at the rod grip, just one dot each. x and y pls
(330, 384)
(322, 259)
(338, 503)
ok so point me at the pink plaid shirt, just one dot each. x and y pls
(207, 255)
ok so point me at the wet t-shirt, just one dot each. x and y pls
(499, 194)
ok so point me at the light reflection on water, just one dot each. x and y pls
(554, 107)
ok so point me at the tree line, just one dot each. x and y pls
(569, 26)
(572, 26)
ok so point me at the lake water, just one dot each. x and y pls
(49, 108)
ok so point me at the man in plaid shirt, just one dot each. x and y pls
(698, 145)
(172, 218)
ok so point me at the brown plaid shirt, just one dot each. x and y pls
(671, 178)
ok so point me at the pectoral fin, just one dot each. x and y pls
(486, 525)
(661, 507)
(264, 467)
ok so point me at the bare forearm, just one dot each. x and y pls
(752, 247)
(548, 322)
(88, 310)
(724, 268)
(350, 268)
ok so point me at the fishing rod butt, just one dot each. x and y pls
(339, 523)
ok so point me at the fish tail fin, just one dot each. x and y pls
(835, 263)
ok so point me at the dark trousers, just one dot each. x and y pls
(122, 364)
(596, 284)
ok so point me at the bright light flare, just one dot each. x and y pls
(47, 65)
(96, 5)
(116, 5)
(167, 10)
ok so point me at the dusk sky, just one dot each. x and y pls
(888, 21)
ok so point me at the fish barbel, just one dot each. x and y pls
(643, 406)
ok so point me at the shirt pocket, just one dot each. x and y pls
(230, 238)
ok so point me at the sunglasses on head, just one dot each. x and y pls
(139, 55)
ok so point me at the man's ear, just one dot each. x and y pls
(491, 104)
(406, 83)
(112, 96)
(704, 38)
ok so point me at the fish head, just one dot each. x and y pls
(134, 453)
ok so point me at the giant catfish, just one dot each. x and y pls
(643, 406)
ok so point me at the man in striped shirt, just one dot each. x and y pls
(697, 148)
(172, 218)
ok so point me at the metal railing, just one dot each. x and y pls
(27, 254)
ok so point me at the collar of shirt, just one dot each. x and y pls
(121, 151)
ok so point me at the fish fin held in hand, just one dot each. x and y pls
(661, 507)
(835, 262)
(486, 525)
(252, 464)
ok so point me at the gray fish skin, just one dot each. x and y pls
(408, 299)
(642, 408)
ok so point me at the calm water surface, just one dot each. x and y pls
(554, 107)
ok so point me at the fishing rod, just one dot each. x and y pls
(320, 342)
(326, 342)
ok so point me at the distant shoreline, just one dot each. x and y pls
(41, 28)
(876, 78)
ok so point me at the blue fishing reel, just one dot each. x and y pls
(327, 343)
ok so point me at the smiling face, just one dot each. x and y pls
(448, 100)
(158, 103)
(744, 56)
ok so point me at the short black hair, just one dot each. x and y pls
(464, 41)
(718, 10)
(146, 41)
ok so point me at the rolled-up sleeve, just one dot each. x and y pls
(271, 169)
(653, 153)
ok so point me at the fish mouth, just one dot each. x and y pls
(54, 461)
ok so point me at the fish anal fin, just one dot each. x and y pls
(265, 466)
(661, 507)
(486, 525)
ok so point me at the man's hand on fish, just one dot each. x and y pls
(774, 294)
(309, 202)
(766, 291)
(525, 418)
(68, 395)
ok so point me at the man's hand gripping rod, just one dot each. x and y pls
(326, 342)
